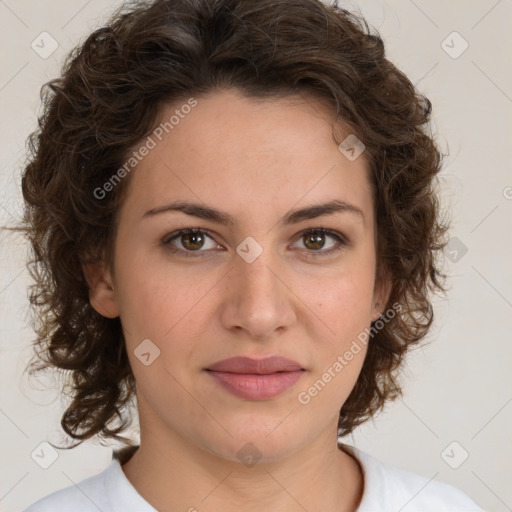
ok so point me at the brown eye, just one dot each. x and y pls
(315, 241)
(190, 240)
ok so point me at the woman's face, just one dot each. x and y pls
(253, 287)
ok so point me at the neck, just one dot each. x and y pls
(187, 477)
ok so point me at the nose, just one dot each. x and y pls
(258, 298)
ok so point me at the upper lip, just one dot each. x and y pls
(263, 366)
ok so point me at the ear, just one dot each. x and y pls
(381, 293)
(101, 290)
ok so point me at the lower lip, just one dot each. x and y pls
(256, 387)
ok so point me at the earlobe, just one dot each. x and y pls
(381, 295)
(101, 291)
(376, 312)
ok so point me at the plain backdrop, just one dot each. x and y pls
(454, 421)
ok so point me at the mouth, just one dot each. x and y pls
(249, 365)
(256, 379)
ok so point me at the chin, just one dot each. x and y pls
(257, 442)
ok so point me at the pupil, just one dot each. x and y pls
(195, 239)
(317, 241)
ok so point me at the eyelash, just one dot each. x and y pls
(342, 241)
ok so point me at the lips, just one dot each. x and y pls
(256, 379)
(248, 365)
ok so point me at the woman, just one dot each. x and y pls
(232, 214)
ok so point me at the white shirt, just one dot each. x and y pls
(386, 489)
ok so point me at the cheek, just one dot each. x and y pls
(156, 300)
(165, 307)
(344, 301)
(343, 306)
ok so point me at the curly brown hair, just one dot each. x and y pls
(107, 99)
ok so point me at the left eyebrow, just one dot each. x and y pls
(293, 217)
(311, 212)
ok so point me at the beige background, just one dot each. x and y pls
(458, 389)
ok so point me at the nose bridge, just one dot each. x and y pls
(258, 300)
(255, 258)
(256, 280)
(258, 272)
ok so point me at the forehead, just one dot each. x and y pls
(249, 156)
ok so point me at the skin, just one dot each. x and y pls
(256, 160)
